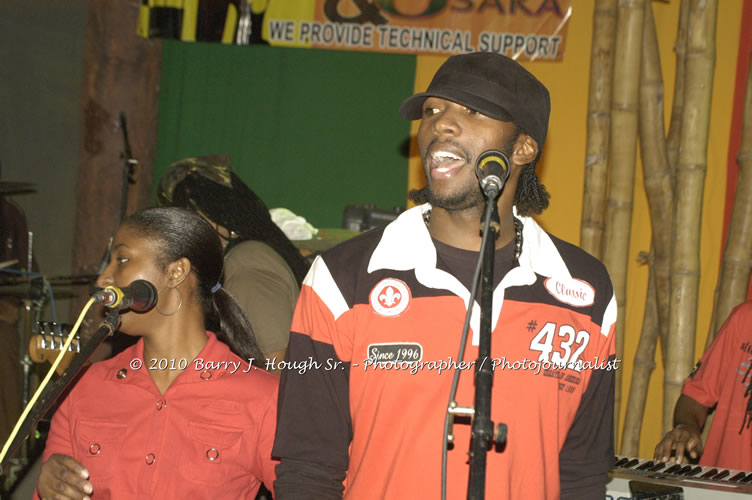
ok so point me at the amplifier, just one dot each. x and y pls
(365, 216)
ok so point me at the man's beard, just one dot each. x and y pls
(459, 201)
(468, 198)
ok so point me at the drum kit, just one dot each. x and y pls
(12, 187)
(20, 286)
(25, 294)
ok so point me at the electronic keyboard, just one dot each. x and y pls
(672, 481)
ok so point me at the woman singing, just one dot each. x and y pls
(182, 413)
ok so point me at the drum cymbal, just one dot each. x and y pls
(11, 187)
(62, 286)
(72, 280)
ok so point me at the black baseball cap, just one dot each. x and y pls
(493, 85)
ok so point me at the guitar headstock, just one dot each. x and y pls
(46, 345)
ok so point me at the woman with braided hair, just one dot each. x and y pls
(263, 269)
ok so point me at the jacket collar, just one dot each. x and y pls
(406, 244)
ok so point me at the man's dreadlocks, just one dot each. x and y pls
(531, 197)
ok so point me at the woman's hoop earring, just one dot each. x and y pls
(180, 304)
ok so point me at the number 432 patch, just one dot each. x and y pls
(561, 346)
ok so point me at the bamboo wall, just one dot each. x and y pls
(565, 151)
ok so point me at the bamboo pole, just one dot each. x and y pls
(672, 151)
(677, 108)
(598, 126)
(657, 176)
(655, 167)
(685, 251)
(736, 266)
(644, 364)
(622, 154)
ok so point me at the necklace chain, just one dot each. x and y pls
(517, 233)
(517, 238)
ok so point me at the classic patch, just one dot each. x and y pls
(395, 352)
(390, 297)
(574, 292)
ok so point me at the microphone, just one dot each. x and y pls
(492, 169)
(139, 296)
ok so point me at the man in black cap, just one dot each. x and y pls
(379, 321)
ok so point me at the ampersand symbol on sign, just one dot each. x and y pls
(368, 13)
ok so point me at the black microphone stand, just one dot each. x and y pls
(53, 391)
(483, 428)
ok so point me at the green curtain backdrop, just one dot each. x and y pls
(309, 130)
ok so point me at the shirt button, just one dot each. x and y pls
(121, 374)
(150, 459)
(161, 404)
(206, 375)
(212, 454)
(94, 449)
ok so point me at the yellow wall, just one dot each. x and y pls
(562, 169)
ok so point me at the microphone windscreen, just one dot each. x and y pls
(492, 162)
(140, 296)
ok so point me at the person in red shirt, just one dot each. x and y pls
(722, 380)
(377, 328)
(183, 413)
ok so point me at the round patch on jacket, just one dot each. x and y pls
(390, 297)
(574, 292)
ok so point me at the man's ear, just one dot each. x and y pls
(178, 271)
(525, 150)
